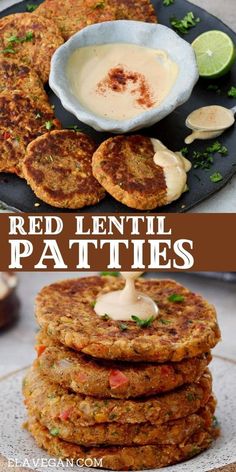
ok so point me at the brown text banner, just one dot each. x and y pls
(189, 242)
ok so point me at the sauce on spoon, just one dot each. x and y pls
(125, 303)
(209, 122)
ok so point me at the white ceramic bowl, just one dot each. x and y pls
(144, 34)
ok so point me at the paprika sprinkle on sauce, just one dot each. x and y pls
(121, 81)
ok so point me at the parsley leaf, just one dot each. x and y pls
(49, 125)
(15, 39)
(232, 92)
(123, 326)
(164, 322)
(105, 317)
(184, 151)
(216, 177)
(167, 3)
(143, 323)
(8, 50)
(205, 159)
(75, 128)
(30, 7)
(113, 274)
(100, 4)
(54, 431)
(176, 298)
(183, 25)
(214, 88)
(93, 304)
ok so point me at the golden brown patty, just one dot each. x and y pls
(21, 120)
(58, 168)
(83, 374)
(113, 434)
(16, 76)
(124, 166)
(122, 458)
(30, 39)
(73, 15)
(54, 402)
(182, 329)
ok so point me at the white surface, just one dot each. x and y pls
(17, 443)
(225, 200)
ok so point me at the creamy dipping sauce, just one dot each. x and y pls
(120, 81)
(175, 168)
(209, 122)
(123, 304)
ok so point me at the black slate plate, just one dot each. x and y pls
(15, 192)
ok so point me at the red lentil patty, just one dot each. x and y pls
(183, 329)
(73, 15)
(58, 167)
(108, 379)
(124, 166)
(22, 119)
(30, 39)
(123, 458)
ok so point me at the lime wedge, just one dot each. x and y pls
(215, 53)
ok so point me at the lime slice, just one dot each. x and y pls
(215, 53)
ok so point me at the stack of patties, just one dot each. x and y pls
(126, 395)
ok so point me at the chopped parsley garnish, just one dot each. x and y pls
(167, 3)
(232, 92)
(205, 159)
(214, 88)
(8, 50)
(216, 177)
(183, 25)
(123, 326)
(105, 317)
(143, 323)
(49, 125)
(163, 321)
(113, 274)
(31, 7)
(217, 147)
(54, 431)
(176, 298)
(93, 304)
(184, 151)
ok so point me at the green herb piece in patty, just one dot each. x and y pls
(191, 397)
(167, 3)
(30, 7)
(15, 39)
(105, 317)
(54, 431)
(216, 177)
(49, 125)
(183, 25)
(100, 4)
(163, 321)
(176, 298)
(123, 326)
(113, 274)
(8, 50)
(232, 92)
(93, 304)
(143, 323)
